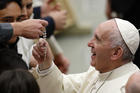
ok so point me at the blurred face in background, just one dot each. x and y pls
(27, 9)
(11, 13)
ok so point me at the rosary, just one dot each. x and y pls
(45, 49)
(44, 37)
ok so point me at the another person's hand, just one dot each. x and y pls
(33, 63)
(42, 53)
(59, 18)
(31, 28)
(62, 63)
(46, 8)
(108, 10)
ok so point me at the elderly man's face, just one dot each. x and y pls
(100, 48)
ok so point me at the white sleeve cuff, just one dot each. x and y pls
(46, 71)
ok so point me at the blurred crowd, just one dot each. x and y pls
(32, 61)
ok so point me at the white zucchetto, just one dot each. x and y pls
(129, 33)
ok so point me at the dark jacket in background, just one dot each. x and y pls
(129, 10)
(6, 32)
(51, 25)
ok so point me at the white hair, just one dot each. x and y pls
(117, 40)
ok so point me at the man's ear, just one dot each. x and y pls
(117, 53)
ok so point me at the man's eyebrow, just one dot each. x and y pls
(30, 4)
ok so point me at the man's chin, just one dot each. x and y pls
(92, 63)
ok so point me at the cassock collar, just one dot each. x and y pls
(118, 72)
(122, 70)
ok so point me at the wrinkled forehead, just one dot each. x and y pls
(105, 29)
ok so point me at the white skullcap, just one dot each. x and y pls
(129, 34)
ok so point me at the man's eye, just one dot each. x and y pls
(19, 19)
(97, 38)
(8, 20)
(29, 6)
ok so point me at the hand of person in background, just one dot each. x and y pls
(42, 53)
(108, 10)
(46, 8)
(59, 16)
(62, 63)
(31, 28)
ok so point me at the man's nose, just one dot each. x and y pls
(15, 20)
(90, 43)
(24, 13)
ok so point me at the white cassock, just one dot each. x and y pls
(53, 81)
